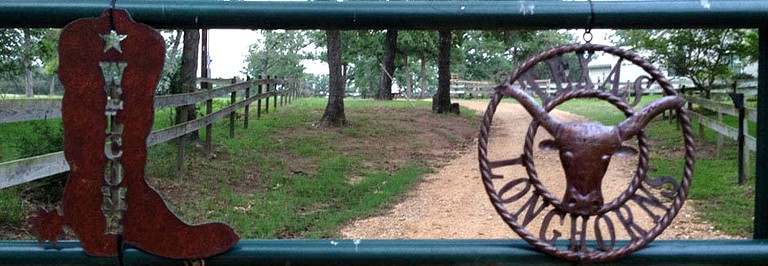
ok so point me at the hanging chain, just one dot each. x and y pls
(112, 15)
(587, 36)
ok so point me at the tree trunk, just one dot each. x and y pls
(334, 111)
(385, 81)
(442, 100)
(174, 51)
(344, 69)
(52, 88)
(29, 79)
(189, 77)
(408, 80)
(423, 76)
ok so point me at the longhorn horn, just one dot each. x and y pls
(639, 120)
(551, 124)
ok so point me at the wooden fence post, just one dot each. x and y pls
(247, 107)
(290, 91)
(719, 149)
(746, 161)
(274, 102)
(181, 143)
(258, 102)
(266, 101)
(282, 95)
(232, 101)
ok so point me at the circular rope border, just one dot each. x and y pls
(593, 256)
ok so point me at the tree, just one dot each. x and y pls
(171, 72)
(360, 60)
(704, 56)
(419, 44)
(362, 54)
(388, 63)
(25, 52)
(485, 54)
(189, 76)
(334, 112)
(442, 100)
(278, 55)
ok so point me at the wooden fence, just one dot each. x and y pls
(723, 130)
(32, 168)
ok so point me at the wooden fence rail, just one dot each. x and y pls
(723, 130)
(28, 169)
(17, 110)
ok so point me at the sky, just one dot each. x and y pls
(228, 49)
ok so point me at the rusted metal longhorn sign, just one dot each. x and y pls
(110, 67)
(585, 152)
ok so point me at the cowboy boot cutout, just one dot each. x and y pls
(110, 67)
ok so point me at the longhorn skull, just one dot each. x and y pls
(586, 148)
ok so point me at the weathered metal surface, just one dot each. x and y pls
(761, 168)
(585, 150)
(398, 252)
(530, 14)
(110, 74)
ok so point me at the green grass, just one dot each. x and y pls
(284, 178)
(718, 197)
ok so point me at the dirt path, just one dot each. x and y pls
(452, 203)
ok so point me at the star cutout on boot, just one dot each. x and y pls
(113, 41)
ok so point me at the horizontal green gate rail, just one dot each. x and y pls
(517, 14)
(397, 14)
(404, 252)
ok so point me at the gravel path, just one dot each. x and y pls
(452, 203)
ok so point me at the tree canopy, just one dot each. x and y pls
(704, 56)
(279, 54)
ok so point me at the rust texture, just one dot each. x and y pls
(46, 225)
(106, 123)
(585, 151)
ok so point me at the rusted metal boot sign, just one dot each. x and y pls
(110, 67)
(582, 217)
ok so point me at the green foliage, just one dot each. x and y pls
(41, 51)
(704, 56)
(317, 83)
(484, 54)
(31, 139)
(279, 55)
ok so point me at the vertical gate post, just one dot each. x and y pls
(232, 101)
(761, 175)
(258, 103)
(248, 106)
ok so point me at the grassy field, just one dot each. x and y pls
(714, 191)
(284, 178)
